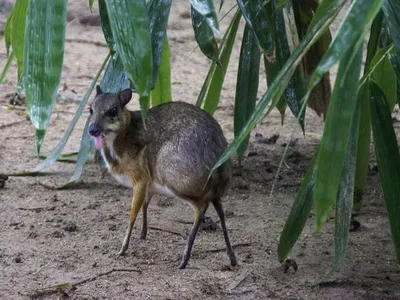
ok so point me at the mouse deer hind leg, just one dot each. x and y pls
(139, 196)
(199, 212)
(218, 207)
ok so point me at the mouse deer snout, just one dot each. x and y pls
(95, 130)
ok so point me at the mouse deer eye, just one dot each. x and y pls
(90, 110)
(112, 113)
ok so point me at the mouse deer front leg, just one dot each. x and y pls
(139, 195)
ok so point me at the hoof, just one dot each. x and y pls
(234, 262)
(121, 252)
(182, 265)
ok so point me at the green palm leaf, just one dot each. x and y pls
(247, 84)
(205, 26)
(256, 17)
(130, 27)
(208, 98)
(388, 159)
(43, 60)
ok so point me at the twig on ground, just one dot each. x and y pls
(19, 137)
(37, 209)
(39, 269)
(12, 124)
(89, 279)
(82, 41)
(224, 248)
(166, 229)
(61, 288)
(238, 280)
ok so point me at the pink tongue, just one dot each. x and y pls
(98, 141)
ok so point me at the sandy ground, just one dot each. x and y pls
(51, 237)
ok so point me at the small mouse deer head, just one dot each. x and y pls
(105, 114)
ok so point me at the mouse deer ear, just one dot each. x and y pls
(125, 96)
(98, 90)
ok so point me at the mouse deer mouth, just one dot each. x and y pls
(98, 141)
(96, 131)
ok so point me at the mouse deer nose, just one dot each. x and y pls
(95, 130)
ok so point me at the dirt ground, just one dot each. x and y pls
(51, 237)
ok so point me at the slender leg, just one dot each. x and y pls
(146, 203)
(199, 215)
(139, 196)
(218, 207)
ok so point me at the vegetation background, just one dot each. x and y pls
(53, 237)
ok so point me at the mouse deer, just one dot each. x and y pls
(172, 154)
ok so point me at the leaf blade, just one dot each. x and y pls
(256, 17)
(130, 27)
(299, 212)
(56, 152)
(276, 89)
(205, 26)
(388, 159)
(247, 84)
(336, 134)
(43, 60)
(18, 31)
(162, 90)
(211, 90)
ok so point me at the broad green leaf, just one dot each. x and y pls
(299, 212)
(205, 26)
(115, 77)
(256, 17)
(364, 133)
(158, 14)
(162, 90)
(277, 88)
(364, 141)
(318, 100)
(105, 26)
(388, 160)
(373, 41)
(321, 9)
(385, 76)
(91, 4)
(395, 61)
(56, 152)
(336, 134)
(131, 31)
(391, 9)
(344, 202)
(43, 60)
(211, 90)
(360, 13)
(295, 89)
(18, 32)
(247, 84)
(7, 32)
(6, 67)
(281, 3)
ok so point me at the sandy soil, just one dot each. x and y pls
(51, 237)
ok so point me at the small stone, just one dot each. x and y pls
(208, 224)
(70, 227)
(112, 227)
(18, 260)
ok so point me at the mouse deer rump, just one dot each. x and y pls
(184, 143)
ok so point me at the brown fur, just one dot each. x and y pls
(173, 154)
